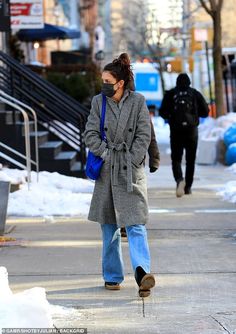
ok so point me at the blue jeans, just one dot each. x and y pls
(112, 262)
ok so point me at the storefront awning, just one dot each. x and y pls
(49, 32)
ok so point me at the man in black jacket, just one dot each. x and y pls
(182, 106)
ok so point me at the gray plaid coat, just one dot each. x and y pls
(120, 194)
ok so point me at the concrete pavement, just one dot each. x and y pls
(193, 247)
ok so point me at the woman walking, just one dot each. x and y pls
(120, 193)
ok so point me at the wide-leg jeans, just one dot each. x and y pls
(112, 261)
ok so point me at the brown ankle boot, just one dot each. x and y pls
(145, 281)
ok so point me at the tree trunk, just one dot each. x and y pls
(161, 70)
(218, 75)
(158, 60)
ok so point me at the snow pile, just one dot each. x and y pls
(206, 127)
(215, 128)
(30, 308)
(209, 129)
(9, 175)
(27, 309)
(228, 192)
(232, 168)
(226, 121)
(55, 194)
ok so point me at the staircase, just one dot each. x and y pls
(61, 120)
(53, 155)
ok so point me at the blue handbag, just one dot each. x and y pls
(94, 163)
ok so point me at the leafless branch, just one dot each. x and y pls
(204, 5)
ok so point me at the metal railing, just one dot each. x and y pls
(36, 162)
(7, 100)
(10, 159)
(60, 114)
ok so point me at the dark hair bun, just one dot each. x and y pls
(120, 68)
(124, 59)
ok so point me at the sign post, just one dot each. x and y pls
(4, 15)
(201, 35)
(4, 194)
(4, 25)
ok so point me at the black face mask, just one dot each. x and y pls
(108, 89)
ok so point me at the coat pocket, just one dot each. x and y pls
(138, 173)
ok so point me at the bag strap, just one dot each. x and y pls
(104, 104)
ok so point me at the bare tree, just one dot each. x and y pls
(213, 8)
(155, 53)
(137, 33)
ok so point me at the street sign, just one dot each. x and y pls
(4, 15)
(26, 14)
(200, 35)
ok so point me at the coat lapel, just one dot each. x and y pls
(112, 105)
(124, 116)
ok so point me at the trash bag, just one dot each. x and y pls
(230, 135)
(230, 156)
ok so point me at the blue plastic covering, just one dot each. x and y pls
(230, 135)
(230, 156)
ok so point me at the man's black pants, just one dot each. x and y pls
(184, 138)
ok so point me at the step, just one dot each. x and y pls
(21, 124)
(16, 129)
(50, 149)
(76, 170)
(62, 163)
(65, 160)
(42, 137)
(39, 133)
(76, 166)
(9, 117)
(67, 156)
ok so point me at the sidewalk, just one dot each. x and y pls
(193, 258)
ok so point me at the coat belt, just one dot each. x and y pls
(114, 171)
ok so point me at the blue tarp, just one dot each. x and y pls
(49, 32)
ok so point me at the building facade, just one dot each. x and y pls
(75, 14)
(203, 20)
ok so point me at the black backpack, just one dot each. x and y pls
(185, 110)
